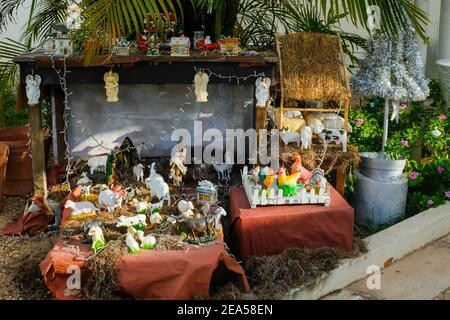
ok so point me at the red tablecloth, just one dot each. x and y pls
(149, 274)
(270, 230)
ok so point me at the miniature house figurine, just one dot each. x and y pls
(229, 46)
(180, 46)
(154, 43)
(63, 46)
(124, 48)
(59, 42)
(206, 192)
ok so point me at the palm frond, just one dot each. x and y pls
(394, 14)
(44, 14)
(106, 21)
(8, 69)
(8, 11)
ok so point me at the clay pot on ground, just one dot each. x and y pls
(19, 172)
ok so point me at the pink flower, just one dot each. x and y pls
(414, 175)
(447, 194)
(442, 117)
(405, 143)
(430, 203)
(440, 170)
(403, 106)
(360, 121)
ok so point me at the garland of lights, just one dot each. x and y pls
(62, 74)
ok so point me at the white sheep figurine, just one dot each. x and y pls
(79, 208)
(110, 199)
(306, 137)
(155, 218)
(131, 221)
(97, 163)
(131, 242)
(147, 242)
(186, 208)
(158, 187)
(223, 170)
(98, 240)
(138, 172)
(290, 137)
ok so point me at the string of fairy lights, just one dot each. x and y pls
(85, 128)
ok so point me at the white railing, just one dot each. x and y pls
(274, 196)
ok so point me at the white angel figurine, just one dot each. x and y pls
(396, 111)
(111, 86)
(201, 81)
(262, 91)
(33, 89)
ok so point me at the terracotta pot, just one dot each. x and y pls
(19, 172)
(4, 153)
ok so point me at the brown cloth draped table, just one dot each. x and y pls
(178, 274)
(271, 229)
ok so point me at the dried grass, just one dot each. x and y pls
(311, 158)
(102, 283)
(271, 277)
(312, 68)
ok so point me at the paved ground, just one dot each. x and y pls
(421, 275)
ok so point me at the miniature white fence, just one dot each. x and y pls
(275, 197)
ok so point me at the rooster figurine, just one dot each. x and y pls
(305, 175)
(288, 183)
(269, 179)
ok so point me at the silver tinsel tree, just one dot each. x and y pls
(393, 70)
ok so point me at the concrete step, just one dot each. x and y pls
(421, 275)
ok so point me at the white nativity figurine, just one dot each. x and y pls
(79, 208)
(262, 91)
(201, 81)
(138, 172)
(131, 221)
(396, 111)
(111, 86)
(33, 89)
(110, 199)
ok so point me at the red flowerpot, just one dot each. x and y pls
(19, 172)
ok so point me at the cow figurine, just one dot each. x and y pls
(336, 135)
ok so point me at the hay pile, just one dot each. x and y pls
(101, 284)
(312, 67)
(20, 276)
(271, 277)
(311, 158)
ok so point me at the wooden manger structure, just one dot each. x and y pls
(312, 68)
